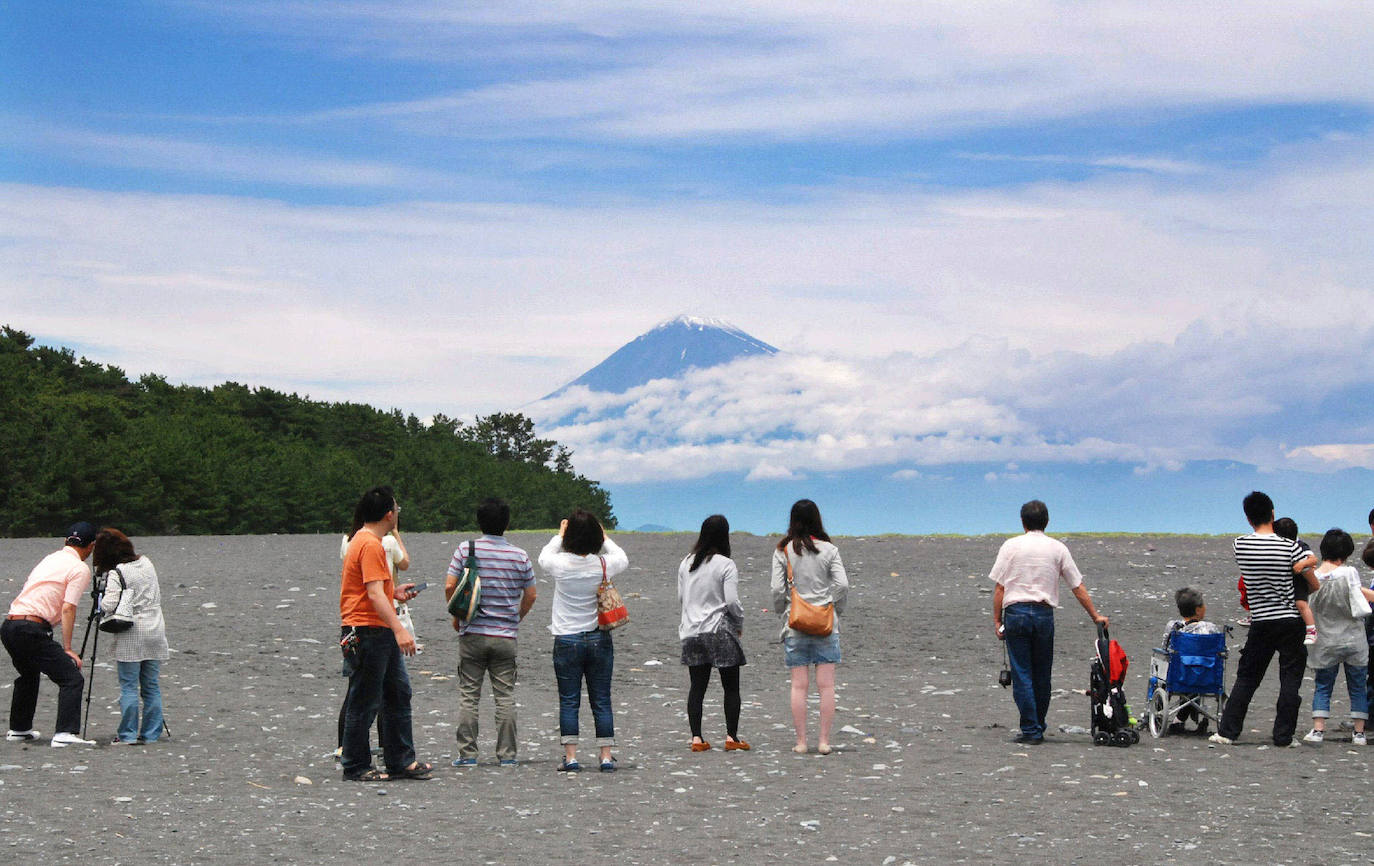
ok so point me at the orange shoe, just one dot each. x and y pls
(733, 745)
(703, 746)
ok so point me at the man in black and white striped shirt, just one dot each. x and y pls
(1268, 563)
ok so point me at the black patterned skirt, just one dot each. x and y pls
(719, 649)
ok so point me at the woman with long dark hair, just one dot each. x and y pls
(131, 588)
(819, 578)
(577, 558)
(711, 625)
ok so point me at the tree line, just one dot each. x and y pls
(79, 440)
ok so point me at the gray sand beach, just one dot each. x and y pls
(923, 772)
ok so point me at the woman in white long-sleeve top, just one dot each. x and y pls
(577, 558)
(819, 577)
(139, 651)
(712, 621)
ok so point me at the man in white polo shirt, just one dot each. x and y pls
(1028, 571)
(48, 600)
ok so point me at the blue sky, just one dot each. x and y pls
(1152, 218)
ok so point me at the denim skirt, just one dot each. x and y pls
(800, 650)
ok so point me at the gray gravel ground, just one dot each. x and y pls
(923, 773)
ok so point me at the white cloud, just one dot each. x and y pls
(475, 307)
(766, 471)
(1334, 456)
(779, 68)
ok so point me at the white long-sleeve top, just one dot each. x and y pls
(709, 596)
(575, 579)
(819, 577)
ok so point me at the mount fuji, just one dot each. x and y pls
(667, 352)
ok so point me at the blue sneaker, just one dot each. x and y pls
(569, 767)
(465, 762)
(508, 762)
(608, 766)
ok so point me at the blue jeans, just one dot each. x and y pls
(379, 684)
(139, 680)
(1355, 676)
(1029, 631)
(589, 655)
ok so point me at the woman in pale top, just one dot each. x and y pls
(131, 589)
(712, 622)
(577, 558)
(819, 578)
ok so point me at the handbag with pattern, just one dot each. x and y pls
(611, 612)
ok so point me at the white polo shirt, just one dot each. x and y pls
(1030, 567)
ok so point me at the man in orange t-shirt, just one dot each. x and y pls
(375, 642)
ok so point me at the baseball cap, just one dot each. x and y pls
(81, 534)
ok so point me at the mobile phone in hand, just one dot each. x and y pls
(419, 587)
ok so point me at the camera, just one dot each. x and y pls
(1004, 678)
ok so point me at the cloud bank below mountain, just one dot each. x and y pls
(1273, 397)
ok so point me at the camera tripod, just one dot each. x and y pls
(93, 628)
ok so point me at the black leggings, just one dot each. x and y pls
(729, 680)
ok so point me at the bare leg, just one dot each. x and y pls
(825, 683)
(569, 753)
(799, 687)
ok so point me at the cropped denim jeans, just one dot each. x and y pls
(1029, 632)
(1355, 676)
(139, 680)
(589, 655)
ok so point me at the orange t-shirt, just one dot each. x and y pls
(363, 563)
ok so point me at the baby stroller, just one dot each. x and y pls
(1187, 681)
(1111, 717)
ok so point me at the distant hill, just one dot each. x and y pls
(669, 350)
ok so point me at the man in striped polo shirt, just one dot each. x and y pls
(1268, 563)
(486, 642)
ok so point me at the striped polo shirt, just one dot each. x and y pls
(505, 571)
(1266, 562)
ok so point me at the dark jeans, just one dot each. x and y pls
(1284, 637)
(379, 683)
(1029, 632)
(34, 652)
(589, 655)
(729, 680)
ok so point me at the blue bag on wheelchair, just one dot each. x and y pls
(1196, 665)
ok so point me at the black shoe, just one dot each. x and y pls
(1026, 740)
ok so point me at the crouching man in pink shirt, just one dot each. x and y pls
(47, 601)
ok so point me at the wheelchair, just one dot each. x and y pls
(1187, 682)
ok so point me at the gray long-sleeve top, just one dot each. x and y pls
(709, 596)
(819, 578)
(1340, 632)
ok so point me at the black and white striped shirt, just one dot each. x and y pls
(1266, 562)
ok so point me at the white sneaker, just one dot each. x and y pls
(1310, 636)
(1315, 736)
(1220, 740)
(1358, 739)
(65, 739)
(20, 736)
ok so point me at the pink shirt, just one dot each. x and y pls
(61, 578)
(1029, 567)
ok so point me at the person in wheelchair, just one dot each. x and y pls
(1192, 611)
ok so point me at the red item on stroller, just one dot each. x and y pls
(1111, 717)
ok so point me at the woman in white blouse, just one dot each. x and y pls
(577, 559)
(712, 621)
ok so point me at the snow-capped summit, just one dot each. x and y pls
(667, 351)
